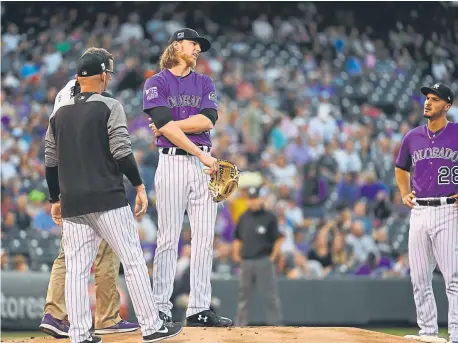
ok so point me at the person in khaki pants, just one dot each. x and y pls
(107, 317)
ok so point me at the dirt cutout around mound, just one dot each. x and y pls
(264, 334)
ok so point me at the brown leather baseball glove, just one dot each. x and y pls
(225, 181)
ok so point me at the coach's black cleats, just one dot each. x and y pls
(167, 330)
(208, 318)
(165, 318)
(93, 339)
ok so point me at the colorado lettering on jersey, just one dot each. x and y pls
(184, 101)
(185, 97)
(430, 153)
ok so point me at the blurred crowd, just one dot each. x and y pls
(327, 175)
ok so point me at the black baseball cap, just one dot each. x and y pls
(90, 65)
(253, 192)
(190, 34)
(442, 91)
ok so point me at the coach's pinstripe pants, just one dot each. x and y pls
(82, 237)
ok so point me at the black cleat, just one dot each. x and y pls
(165, 318)
(167, 330)
(93, 339)
(208, 318)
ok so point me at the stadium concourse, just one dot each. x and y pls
(314, 99)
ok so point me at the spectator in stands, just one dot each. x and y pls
(298, 152)
(131, 29)
(7, 201)
(222, 262)
(376, 265)
(381, 240)
(262, 29)
(130, 77)
(314, 192)
(283, 173)
(328, 165)
(397, 208)
(383, 155)
(342, 257)
(147, 229)
(361, 243)
(11, 38)
(360, 213)
(400, 267)
(324, 126)
(371, 187)
(9, 227)
(382, 207)
(51, 61)
(293, 213)
(365, 151)
(288, 247)
(43, 219)
(8, 167)
(5, 260)
(20, 264)
(23, 218)
(321, 251)
(344, 221)
(348, 159)
(348, 190)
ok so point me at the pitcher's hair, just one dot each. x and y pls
(168, 58)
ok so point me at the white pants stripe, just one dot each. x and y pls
(433, 239)
(81, 238)
(182, 186)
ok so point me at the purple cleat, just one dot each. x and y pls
(122, 326)
(54, 327)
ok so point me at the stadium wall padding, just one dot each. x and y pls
(332, 302)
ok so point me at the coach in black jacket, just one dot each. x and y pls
(87, 152)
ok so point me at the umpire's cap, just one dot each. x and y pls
(190, 34)
(442, 91)
(90, 65)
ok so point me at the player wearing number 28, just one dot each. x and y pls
(428, 162)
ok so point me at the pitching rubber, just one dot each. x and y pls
(428, 339)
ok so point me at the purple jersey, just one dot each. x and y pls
(433, 162)
(185, 96)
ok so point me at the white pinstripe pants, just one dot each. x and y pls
(81, 238)
(433, 239)
(182, 185)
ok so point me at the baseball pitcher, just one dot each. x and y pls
(428, 161)
(182, 105)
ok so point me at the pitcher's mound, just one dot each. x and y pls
(266, 334)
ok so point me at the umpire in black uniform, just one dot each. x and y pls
(87, 152)
(256, 247)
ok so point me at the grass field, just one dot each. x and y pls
(393, 331)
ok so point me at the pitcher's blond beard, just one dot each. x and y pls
(191, 63)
